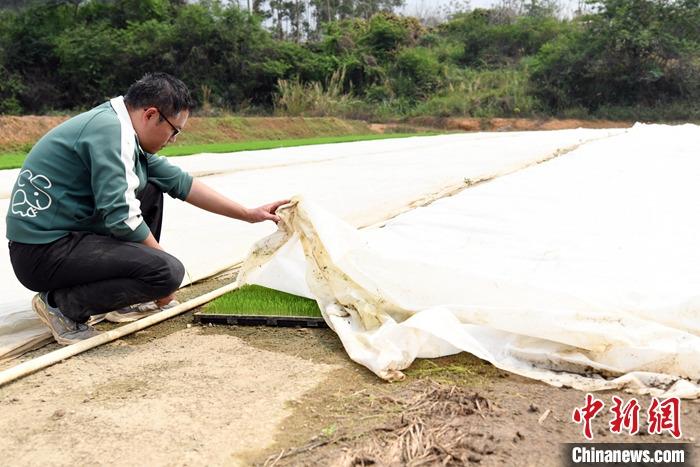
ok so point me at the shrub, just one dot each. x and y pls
(487, 41)
(418, 73)
(295, 98)
(483, 93)
(386, 33)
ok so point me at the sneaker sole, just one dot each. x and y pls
(94, 319)
(138, 313)
(39, 308)
(114, 317)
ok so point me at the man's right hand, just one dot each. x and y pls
(265, 212)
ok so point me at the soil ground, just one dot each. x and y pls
(18, 134)
(180, 393)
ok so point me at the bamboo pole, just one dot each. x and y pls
(36, 364)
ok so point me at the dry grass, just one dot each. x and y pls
(435, 424)
(20, 133)
(201, 130)
(315, 99)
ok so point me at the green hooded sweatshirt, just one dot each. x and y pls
(84, 175)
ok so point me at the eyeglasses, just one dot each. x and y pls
(176, 130)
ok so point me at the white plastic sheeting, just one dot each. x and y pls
(362, 183)
(583, 271)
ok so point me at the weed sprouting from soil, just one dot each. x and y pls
(257, 300)
(461, 369)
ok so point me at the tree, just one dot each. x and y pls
(326, 11)
(488, 41)
(630, 52)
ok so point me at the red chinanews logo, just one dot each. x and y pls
(662, 416)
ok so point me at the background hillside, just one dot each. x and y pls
(620, 59)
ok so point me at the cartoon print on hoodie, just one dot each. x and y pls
(27, 201)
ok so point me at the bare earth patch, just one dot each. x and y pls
(187, 398)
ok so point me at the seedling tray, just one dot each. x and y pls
(260, 320)
(253, 305)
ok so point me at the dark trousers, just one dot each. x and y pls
(88, 274)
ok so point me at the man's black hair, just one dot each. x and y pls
(160, 90)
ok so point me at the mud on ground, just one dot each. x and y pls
(183, 394)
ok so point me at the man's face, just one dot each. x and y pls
(156, 132)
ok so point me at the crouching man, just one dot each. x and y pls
(85, 213)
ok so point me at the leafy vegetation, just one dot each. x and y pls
(358, 58)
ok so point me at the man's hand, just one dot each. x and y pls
(265, 212)
(150, 241)
(165, 300)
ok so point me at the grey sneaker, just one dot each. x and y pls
(95, 319)
(136, 312)
(64, 330)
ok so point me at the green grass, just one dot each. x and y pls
(14, 160)
(187, 150)
(261, 301)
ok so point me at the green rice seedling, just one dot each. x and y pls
(281, 143)
(254, 300)
(14, 160)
